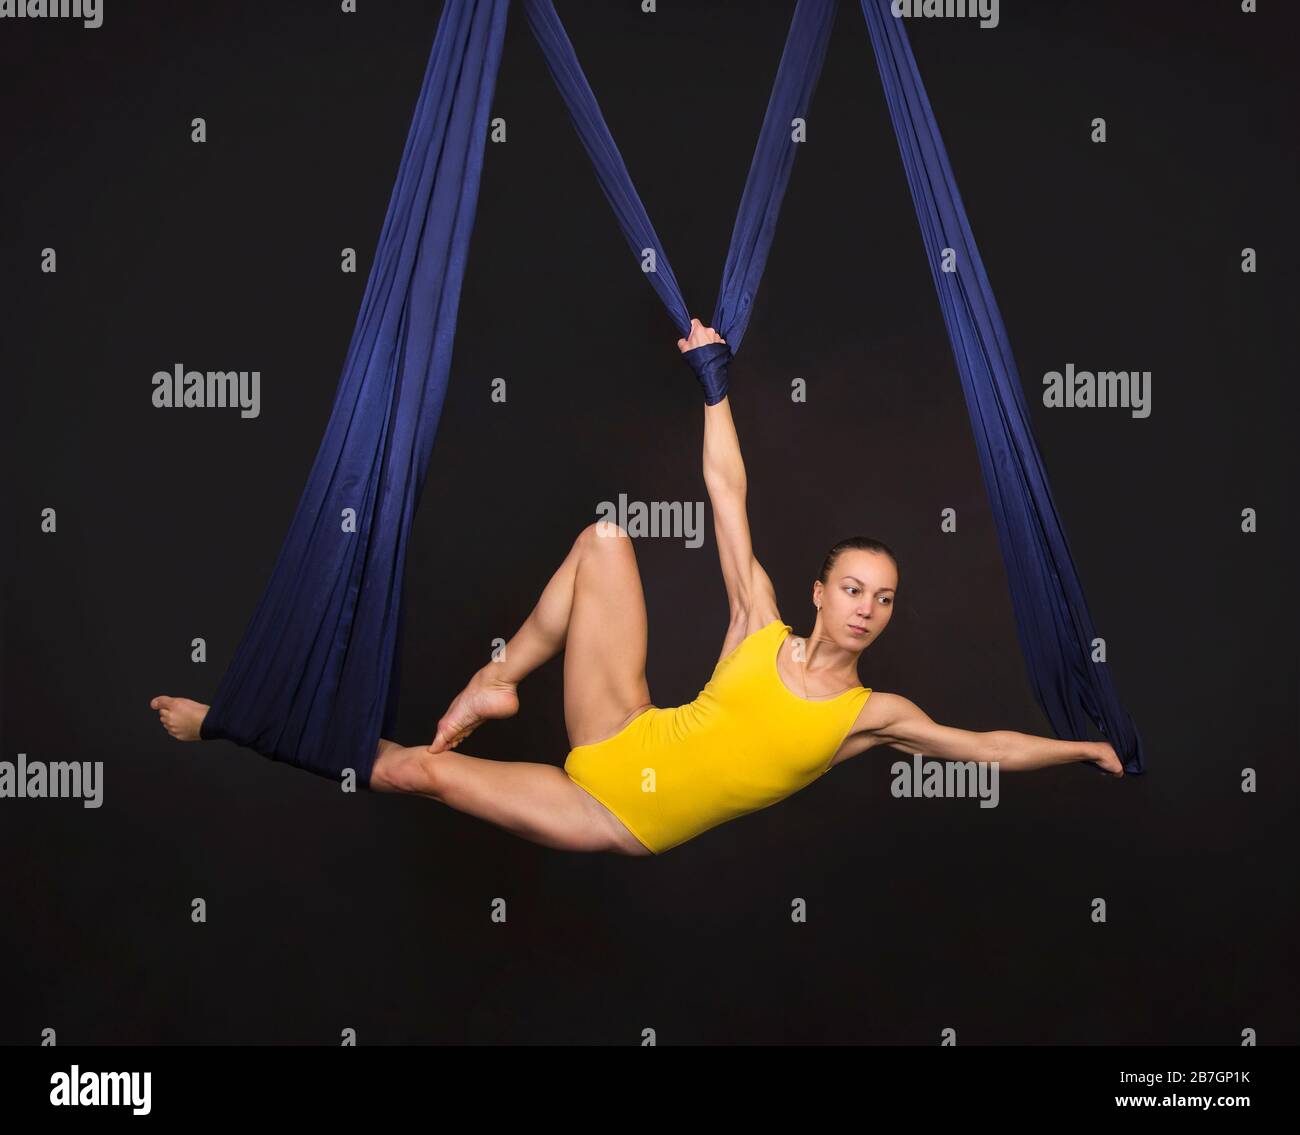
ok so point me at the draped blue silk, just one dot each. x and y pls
(315, 679)
(760, 203)
(710, 363)
(1055, 629)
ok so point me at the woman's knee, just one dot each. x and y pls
(605, 538)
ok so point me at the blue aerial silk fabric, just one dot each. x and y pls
(760, 203)
(711, 363)
(315, 679)
(1055, 629)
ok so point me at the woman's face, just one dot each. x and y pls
(857, 598)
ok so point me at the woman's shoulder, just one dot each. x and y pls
(879, 711)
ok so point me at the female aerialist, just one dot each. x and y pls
(778, 712)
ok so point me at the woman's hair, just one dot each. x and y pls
(860, 543)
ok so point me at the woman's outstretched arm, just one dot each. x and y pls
(750, 595)
(888, 719)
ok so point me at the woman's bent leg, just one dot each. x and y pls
(535, 801)
(593, 609)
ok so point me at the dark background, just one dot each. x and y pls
(329, 911)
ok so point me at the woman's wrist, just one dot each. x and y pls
(710, 362)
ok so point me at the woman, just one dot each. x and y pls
(778, 712)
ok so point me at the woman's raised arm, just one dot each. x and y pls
(750, 596)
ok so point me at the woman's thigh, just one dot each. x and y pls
(537, 802)
(605, 652)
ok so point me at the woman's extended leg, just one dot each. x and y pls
(535, 801)
(593, 609)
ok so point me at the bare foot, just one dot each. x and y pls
(180, 716)
(1106, 759)
(486, 697)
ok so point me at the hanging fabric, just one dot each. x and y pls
(315, 679)
(314, 682)
(769, 172)
(1055, 629)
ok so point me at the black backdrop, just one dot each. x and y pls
(329, 911)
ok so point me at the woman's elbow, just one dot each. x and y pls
(725, 483)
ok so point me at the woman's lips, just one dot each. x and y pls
(858, 630)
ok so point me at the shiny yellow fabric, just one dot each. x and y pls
(746, 742)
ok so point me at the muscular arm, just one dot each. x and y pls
(749, 591)
(888, 719)
(751, 600)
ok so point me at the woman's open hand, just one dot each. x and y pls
(699, 336)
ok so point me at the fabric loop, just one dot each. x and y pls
(710, 363)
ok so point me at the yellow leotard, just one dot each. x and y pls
(746, 742)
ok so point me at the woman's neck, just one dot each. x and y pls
(824, 659)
